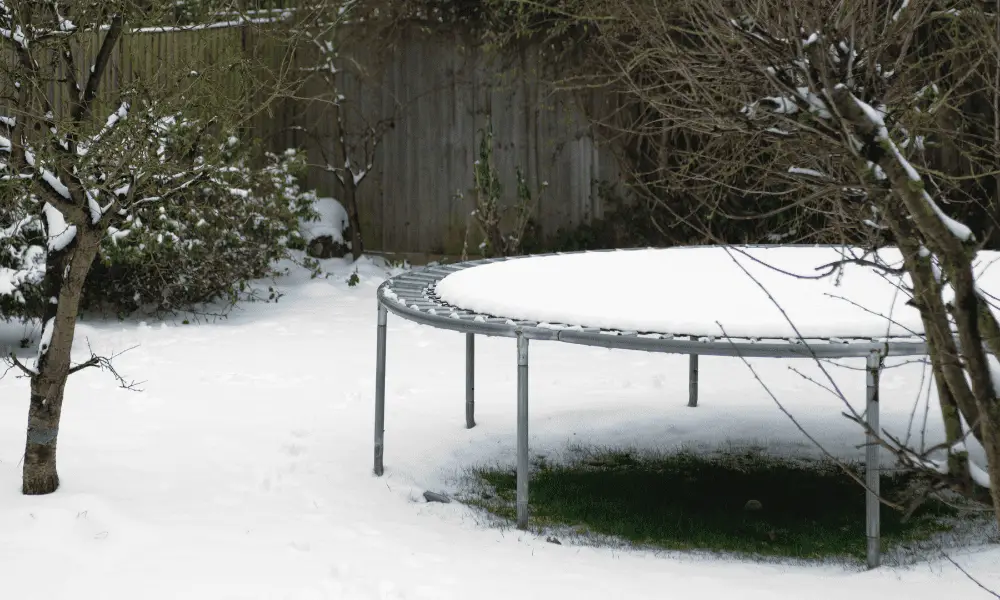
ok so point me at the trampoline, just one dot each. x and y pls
(493, 297)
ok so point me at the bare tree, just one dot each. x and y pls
(863, 122)
(74, 168)
(350, 156)
(874, 119)
(502, 225)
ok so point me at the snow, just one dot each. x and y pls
(57, 186)
(244, 469)
(117, 234)
(121, 113)
(59, 232)
(16, 35)
(49, 177)
(959, 230)
(332, 221)
(899, 11)
(817, 105)
(808, 172)
(216, 25)
(46, 340)
(31, 268)
(981, 477)
(783, 105)
(95, 207)
(667, 291)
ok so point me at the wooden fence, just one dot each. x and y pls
(439, 94)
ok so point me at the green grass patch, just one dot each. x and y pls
(744, 503)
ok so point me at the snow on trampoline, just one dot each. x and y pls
(705, 291)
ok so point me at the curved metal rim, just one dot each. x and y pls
(412, 296)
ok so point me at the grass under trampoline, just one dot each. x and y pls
(739, 502)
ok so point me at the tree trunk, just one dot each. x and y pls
(353, 218)
(47, 386)
(955, 255)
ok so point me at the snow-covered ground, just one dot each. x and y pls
(243, 470)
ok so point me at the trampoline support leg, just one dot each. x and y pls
(693, 380)
(380, 391)
(470, 380)
(872, 463)
(522, 431)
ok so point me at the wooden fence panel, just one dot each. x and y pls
(420, 193)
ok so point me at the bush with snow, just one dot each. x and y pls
(324, 235)
(23, 238)
(207, 242)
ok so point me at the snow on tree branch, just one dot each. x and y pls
(881, 135)
(60, 233)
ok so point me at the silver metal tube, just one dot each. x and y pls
(693, 379)
(522, 431)
(872, 464)
(470, 380)
(380, 391)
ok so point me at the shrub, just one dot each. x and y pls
(209, 241)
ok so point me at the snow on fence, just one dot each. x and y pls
(154, 57)
(439, 93)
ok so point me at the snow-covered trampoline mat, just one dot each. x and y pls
(749, 301)
(741, 292)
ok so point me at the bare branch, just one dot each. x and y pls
(81, 109)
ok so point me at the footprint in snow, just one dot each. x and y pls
(293, 450)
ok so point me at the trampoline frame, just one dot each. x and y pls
(413, 297)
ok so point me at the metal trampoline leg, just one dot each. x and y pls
(872, 464)
(693, 381)
(522, 431)
(470, 379)
(380, 391)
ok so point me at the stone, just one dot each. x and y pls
(436, 497)
(324, 246)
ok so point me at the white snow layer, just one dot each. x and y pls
(958, 229)
(332, 221)
(243, 470)
(45, 341)
(808, 172)
(698, 291)
(60, 233)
